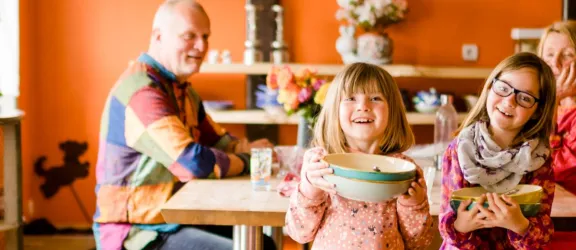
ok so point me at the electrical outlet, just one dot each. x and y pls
(470, 52)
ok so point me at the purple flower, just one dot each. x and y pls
(304, 95)
(318, 84)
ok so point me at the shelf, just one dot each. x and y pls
(396, 70)
(261, 117)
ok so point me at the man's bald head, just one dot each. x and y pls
(179, 38)
(166, 11)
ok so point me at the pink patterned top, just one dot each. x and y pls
(563, 142)
(334, 222)
(540, 229)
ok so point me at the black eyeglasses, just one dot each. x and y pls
(504, 89)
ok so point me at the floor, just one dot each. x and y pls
(82, 242)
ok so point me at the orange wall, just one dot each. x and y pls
(73, 51)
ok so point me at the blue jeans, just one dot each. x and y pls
(201, 238)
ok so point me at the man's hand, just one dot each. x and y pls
(261, 143)
(244, 146)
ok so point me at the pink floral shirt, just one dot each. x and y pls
(334, 222)
(539, 231)
(563, 142)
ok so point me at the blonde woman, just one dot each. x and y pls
(502, 143)
(557, 48)
(363, 112)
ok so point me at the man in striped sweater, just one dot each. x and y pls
(155, 133)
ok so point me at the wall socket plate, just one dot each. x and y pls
(470, 52)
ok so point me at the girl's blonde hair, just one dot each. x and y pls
(363, 78)
(542, 123)
(567, 28)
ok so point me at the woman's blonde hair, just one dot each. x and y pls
(542, 123)
(567, 28)
(363, 78)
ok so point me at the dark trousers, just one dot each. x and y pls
(201, 238)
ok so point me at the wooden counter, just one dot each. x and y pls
(226, 202)
(232, 202)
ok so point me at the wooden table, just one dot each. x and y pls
(230, 202)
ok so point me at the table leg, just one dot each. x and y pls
(251, 238)
(237, 237)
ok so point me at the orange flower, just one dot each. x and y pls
(289, 97)
(272, 78)
(305, 73)
(285, 78)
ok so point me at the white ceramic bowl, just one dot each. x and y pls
(427, 109)
(368, 191)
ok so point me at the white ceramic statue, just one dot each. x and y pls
(346, 43)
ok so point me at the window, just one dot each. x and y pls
(10, 53)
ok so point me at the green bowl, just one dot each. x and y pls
(370, 167)
(528, 209)
(522, 193)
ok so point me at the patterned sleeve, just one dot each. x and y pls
(304, 216)
(541, 228)
(154, 129)
(415, 222)
(212, 133)
(452, 179)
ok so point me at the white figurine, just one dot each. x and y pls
(213, 56)
(225, 57)
(346, 44)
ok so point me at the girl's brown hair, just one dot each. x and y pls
(542, 123)
(363, 78)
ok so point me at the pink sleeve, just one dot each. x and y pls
(452, 179)
(304, 216)
(415, 222)
(563, 143)
(541, 228)
(565, 123)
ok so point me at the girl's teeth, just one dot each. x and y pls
(363, 121)
(506, 114)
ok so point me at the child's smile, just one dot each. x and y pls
(512, 101)
(363, 120)
(506, 114)
(363, 117)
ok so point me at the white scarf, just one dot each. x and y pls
(497, 170)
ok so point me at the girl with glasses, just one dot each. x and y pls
(502, 143)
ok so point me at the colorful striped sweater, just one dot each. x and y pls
(154, 133)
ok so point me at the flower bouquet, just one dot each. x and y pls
(302, 92)
(371, 15)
